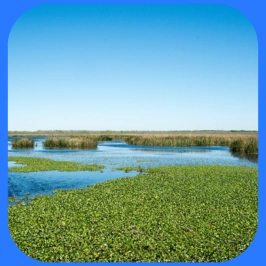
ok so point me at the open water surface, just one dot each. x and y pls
(111, 154)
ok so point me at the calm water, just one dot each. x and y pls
(112, 154)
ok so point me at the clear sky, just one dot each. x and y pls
(132, 67)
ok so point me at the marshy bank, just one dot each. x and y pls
(170, 214)
(247, 144)
(241, 143)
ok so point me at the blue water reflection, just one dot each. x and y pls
(112, 154)
(45, 182)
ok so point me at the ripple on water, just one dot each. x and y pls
(112, 154)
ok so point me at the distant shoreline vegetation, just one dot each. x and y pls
(245, 142)
(131, 132)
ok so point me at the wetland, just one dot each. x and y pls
(125, 200)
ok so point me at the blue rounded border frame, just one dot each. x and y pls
(10, 12)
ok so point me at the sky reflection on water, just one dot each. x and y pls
(112, 154)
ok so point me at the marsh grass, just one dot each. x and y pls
(23, 143)
(66, 133)
(72, 142)
(179, 141)
(171, 214)
(245, 145)
(245, 142)
(42, 164)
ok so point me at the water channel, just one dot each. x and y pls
(111, 154)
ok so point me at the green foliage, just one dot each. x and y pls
(73, 142)
(104, 138)
(42, 164)
(177, 213)
(23, 143)
(127, 169)
(248, 146)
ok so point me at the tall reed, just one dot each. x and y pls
(244, 144)
(248, 146)
(74, 143)
(178, 140)
(23, 143)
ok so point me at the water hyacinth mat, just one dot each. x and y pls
(168, 214)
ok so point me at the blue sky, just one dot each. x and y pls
(132, 67)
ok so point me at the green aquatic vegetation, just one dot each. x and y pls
(23, 143)
(175, 213)
(127, 169)
(72, 142)
(42, 164)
